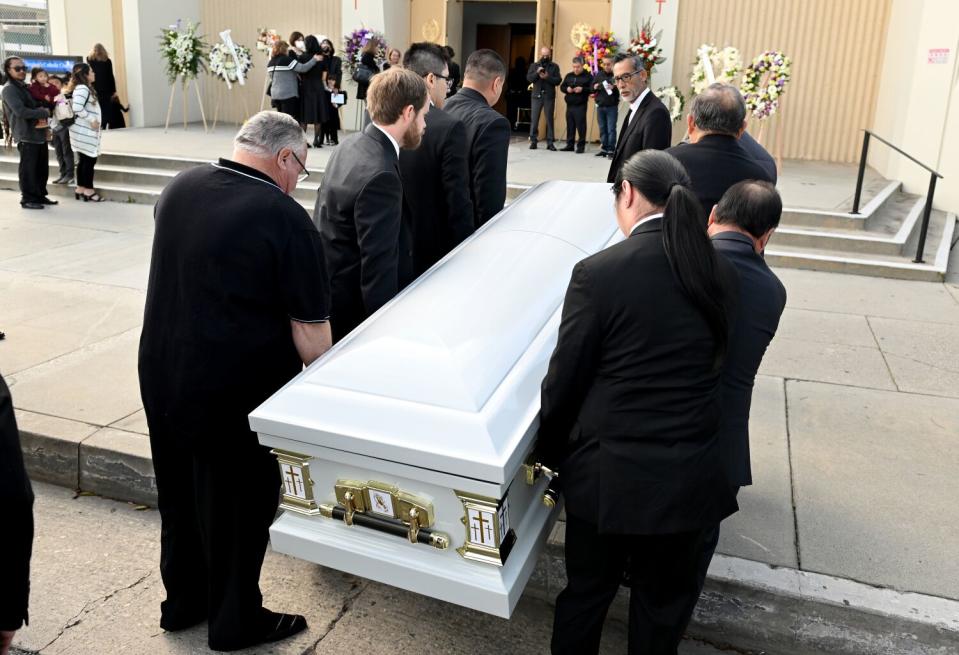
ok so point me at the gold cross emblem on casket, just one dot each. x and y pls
(484, 526)
(294, 482)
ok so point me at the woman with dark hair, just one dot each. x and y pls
(99, 60)
(630, 413)
(334, 82)
(314, 102)
(284, 86)
(85, 130)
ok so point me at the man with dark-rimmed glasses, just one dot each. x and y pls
(436, 175)
(28, 125)
(647, 123)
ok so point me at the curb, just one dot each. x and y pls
(746, 605)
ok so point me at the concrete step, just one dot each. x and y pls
(942, 228)
(818, 218)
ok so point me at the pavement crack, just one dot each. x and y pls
(356, 589)
(77, 618)
(792, 475)
(882, 353)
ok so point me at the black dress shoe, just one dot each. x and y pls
(533, 146)
(580, 150)
(48, 201)
(273, 626)
(551, 147)
(31, 205)
(286, 625)
(601, 153)
(566, 149)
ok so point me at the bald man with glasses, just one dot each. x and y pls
(647, 123)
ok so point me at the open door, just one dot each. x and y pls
(498, 38)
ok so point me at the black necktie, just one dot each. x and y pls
(622, 132)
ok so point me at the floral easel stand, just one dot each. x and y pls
(219, 97)
(169, 110)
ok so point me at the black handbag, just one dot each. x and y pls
(362, 74)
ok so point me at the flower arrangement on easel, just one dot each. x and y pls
(231, 63)
(595, 47)
(184, 57)
(355, 41)
(645, 45)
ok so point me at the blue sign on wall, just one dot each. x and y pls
(54, 64)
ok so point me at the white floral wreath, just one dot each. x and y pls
(727, 65)
(764, 82)
(673, 98)
(223, 66)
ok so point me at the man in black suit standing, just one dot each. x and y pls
(16, 517)
(359, 209)
(647, 123)
(577, 85)
(487, 132)
(714, 156)
(740, 226)
(435, 175)
(544, 76)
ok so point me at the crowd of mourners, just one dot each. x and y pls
(645, 404)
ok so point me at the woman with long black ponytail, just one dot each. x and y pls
(630, 413)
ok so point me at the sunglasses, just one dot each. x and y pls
(18, 69)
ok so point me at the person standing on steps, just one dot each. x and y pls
(28, 127)
(85, 131)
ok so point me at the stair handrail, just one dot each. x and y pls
(933, 176)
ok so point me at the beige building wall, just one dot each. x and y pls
(918, 103)
(244, 18)
(837, 50)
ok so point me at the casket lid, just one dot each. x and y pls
(447, 375)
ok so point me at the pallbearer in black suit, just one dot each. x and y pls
(435, 175)
(740, 226)
(487, 132)
(714, 157)
(359, 209)
(577, 85)
(16, 517)
(647, 125)
(630, 413)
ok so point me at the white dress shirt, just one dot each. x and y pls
(644, 220)
(389, 136)
(634, 105)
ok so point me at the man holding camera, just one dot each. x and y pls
(544, 77)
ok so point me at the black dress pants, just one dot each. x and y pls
(663, 570)
(34, 169)
(537, 106)
(576, 122)
(215, 511)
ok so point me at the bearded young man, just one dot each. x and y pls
(359, 209)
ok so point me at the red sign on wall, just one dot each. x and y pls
(938, 56)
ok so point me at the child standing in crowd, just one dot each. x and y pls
(61, 138)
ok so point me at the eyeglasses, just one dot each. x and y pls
(625, 77)
(445, 78)
(305, 174)
(18, 69)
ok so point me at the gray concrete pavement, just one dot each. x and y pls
(96, 589)
(853, 431)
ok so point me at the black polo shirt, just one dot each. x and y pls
(234, 259)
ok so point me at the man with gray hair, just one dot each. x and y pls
(647, 123)
(236, 304)
(714, 157)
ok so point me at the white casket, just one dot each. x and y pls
(404, 449)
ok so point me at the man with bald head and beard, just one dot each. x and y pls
(359, 209)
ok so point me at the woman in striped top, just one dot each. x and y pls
(85, 131)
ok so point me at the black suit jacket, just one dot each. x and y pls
(544, 87)
(487, 140)
(436, 189)
(760, 154)
(714, 164)
(650, 128)
(762, 298)
(359, 212)
(16, 517)
(630, 404)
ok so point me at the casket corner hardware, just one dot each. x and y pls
(297, 482)
(489, 537)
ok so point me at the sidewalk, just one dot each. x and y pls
(855, 421)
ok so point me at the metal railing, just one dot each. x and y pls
(927, 210)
